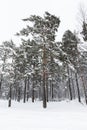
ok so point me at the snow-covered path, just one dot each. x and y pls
(29, 116)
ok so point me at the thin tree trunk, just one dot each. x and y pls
(0, 83)
(44, 78)
(44, 91)
(85, 95)
(33, 90)
(69, 83)
(47, 87)
(24, 91)
(52, 91)
(78, 91)
(40, 90)
(73, 88)
(9, 100)
(28, 89)
(19, 94)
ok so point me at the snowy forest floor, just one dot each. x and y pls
(62, 115)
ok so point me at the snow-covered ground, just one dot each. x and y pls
(31, 116)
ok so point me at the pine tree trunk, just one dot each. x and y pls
(69, 84)
(33, 90)
(19, 94)
(28, 89)
(24, 91)
(84, 88)
(9, 100)
(47, 87)
(52, 92)
(78, 91)
(44, 78)
(44, 91)
(73, 88)
(40, 91)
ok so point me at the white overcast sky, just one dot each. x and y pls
(12, 11)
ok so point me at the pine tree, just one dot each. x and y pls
(43, 34)
(82, 72)
(7, 50)
(84, 31)
(70, 47)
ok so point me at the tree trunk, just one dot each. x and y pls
(24, 91)
(78, 91)
(47, 87)
(73, 87)
(84, 88)
(69, 83)
(33, 90)
(40, 90)
(19, 94)
(9, 99)
(52, 92)
(28, 89)
(44, 91)
(51, 89)
(44, 77)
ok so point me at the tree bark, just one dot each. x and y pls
(84, 88)
(28, 89)
(44, 91)
(47, 87)
(24, 91)
(73, 87)
(78, 91)
(69, 83)
(33, 90)
(19, 94)
(44, 77)
(9, 99)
